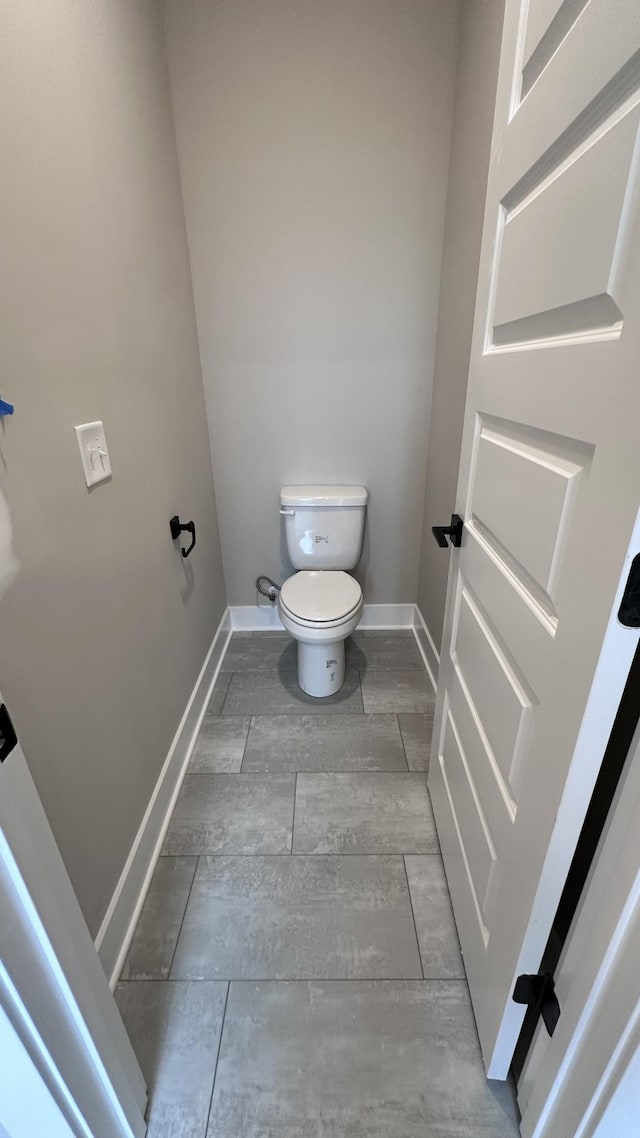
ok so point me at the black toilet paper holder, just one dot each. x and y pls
(177, 527)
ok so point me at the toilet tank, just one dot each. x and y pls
(324, 525)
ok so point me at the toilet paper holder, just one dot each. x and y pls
(177, 527)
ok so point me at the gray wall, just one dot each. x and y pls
(313, 141)
(476, 80)
(105, 629)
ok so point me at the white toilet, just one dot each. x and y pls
(321, 605)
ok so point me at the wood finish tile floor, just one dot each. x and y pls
(296, 972)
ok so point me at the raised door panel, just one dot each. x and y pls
(500, 700)
(548, 22)
(555, 275)
(569, 102)
(476, 843)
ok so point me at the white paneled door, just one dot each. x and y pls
(534, 658)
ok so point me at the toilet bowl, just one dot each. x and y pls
(320, 610)
(321, 605)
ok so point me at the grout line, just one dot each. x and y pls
(293, 820)
(215, 1069)
(315, 770)
(325, 710)
(364, 666)
(175, 947)
(311, 853)
(251, 719)
(303, 980)
(305, 711)
(404, 749)
(230, 675)
(415, 927)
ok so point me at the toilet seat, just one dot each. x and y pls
(327, 598)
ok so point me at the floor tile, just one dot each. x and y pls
(385, 650)
(437, 935)
(261, 653)
(271, 693)
(398, 691)
(363, 813)
(232, 813)
(324, 743)
(220, 744)
(286, 918)
(367, 1059)
(156, 935)
(416, 736)
(175, 1031)
(219, 693)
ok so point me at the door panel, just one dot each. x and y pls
(495, 692)
(549, 488)
(576, 265)
(477, 845)
(548, 22)
(521, 502)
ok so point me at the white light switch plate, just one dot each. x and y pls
(96, 463)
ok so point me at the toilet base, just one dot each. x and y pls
(321, 668)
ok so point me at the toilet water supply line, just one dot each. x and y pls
(271, 591)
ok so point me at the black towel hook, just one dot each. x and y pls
(176, 527)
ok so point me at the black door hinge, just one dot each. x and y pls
(8, 737)
(539, 993)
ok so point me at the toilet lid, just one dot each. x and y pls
(320, 596)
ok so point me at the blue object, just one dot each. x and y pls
(6, 408)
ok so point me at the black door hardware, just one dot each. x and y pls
(454, 530)
(176, 527)
(539, 993)
(629, 611)
(8, 737)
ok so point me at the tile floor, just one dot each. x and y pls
(295, 972)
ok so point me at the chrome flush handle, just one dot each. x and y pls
(289, 513)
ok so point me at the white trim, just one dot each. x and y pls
(121, 917)
(387, 616)
(260, 618)
(255, 618)
(22, 1081)
(426, 646)
(54, 969)
(28, 1050)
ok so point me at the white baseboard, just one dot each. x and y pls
(259, 618)
(426, 646)
(387, 616)
(255, 618)
(117, 928)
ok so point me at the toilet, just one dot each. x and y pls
(321, 604)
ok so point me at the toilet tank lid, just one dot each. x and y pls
(323, 496)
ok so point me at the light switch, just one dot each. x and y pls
(96, 463)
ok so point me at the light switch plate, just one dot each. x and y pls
(94, 453)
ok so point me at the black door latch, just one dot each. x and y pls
(453, 530)
(176, 527)
(8, 737)
(539, 993)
